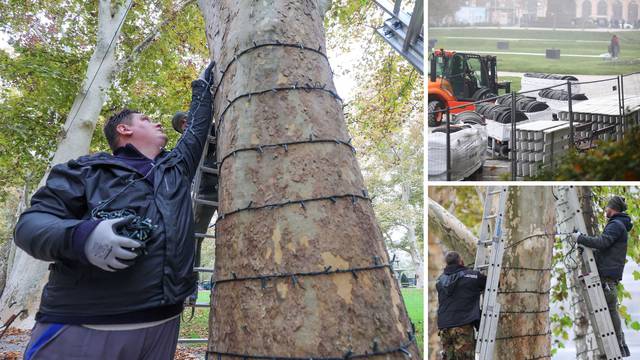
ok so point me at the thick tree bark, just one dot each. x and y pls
(525, 281)
(453, 234)
(326, 315)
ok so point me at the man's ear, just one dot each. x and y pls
(123, 129)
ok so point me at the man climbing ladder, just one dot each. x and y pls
(610, 255)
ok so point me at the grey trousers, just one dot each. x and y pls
(611, 296)
(73, 342)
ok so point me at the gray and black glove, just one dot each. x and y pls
(206, 74)
(576, 235)
(104, 247)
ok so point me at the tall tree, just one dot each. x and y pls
(27, 275)
(292, 198)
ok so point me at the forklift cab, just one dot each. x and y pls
(465, 73)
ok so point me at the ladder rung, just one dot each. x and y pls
(495, 192)
(193, 341)
(198, 305)
(206, 202)
(493, 216)
(485, 243)
(209, 170)
(204, 235)
(202, 269)
(482, 266)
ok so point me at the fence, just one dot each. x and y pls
(537, 141)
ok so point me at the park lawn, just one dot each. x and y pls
(514, 80)
(197, 327)
(537, 41)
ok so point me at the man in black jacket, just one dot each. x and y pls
(111, 296)
(610, 255)
(459, 290)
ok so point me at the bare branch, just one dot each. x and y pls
(451, 231)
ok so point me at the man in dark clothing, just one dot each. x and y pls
(610, 254)
(111, 296)
(459, 290)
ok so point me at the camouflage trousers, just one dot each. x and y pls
(458, 343)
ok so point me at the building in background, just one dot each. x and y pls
(550, 13)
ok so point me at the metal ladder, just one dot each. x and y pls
(489, 256)
(201, 228)
(404, 31)
(591, 287)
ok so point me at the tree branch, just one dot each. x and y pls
(453, 234)
(153, 35)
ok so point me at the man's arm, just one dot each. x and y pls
(611, 233)
(191, 143)
(482, 281)
(46, 229)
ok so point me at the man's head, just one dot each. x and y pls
(615, 205)
(453, 258)
(179, 121)
(132, 127)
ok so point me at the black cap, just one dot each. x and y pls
(617, 203)
(175, 121)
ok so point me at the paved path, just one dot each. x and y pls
(523, 53)
(605, 30)
(521, 39)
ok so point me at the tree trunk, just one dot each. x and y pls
(453, 234)
(436, 264)
(416, 255)
(264, 226)
(525, 281)
(414, 249)
(27, 276)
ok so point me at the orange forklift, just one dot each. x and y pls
(457, 79)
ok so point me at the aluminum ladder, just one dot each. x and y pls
(590, 285)
(404, 31)
(199, 204)
(489, 256)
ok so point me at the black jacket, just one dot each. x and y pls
(80, 293)
(611, 246)
(459, 290)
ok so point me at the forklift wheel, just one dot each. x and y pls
(504, 150)
(435, 118)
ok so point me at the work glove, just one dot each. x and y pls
(206, 74)
(576, 235)
(105, 248)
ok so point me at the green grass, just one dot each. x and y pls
(198, 326)
(414, 300)
(569, 42)
(514, 80)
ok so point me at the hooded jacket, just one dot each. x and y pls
(157, 283)
(611, 246)
(459, 290)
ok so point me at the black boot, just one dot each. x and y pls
(624, 350)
